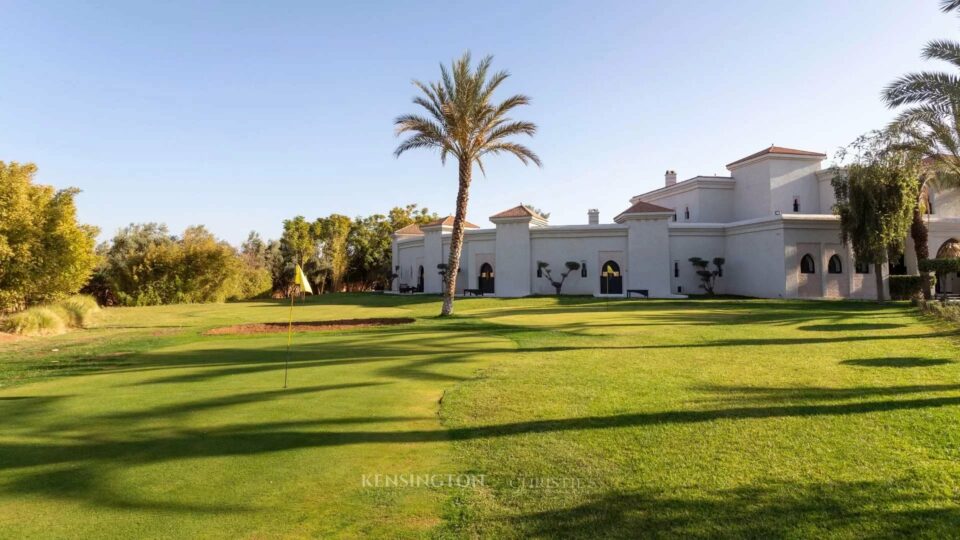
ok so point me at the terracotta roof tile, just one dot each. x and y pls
(413, 228)
(448, 222)
(777, 150)
(518, 211)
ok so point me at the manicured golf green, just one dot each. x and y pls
(577, 417)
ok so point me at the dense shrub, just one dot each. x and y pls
(254, 283)
(44, 253)
(940, 266)
(144, 265)
(906, 287)
(35, 321)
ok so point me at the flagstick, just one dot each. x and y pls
(286, 363)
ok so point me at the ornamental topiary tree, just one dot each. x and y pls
(572, 266)
(708, 278)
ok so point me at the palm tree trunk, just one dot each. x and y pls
(918, 231)
(879, 272)
(456, 241)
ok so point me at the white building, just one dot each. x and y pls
(770, 219)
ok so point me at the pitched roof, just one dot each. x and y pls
(448, 222)
(413, 228)
(641, 207)
(518, 211)
(777, 150)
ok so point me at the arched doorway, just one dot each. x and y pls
(420, 280)
(611, 281)
(808, 282)
(837, 283)
(948, 283)
(485, 279)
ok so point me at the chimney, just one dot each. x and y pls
(593, 216)
(670, 178)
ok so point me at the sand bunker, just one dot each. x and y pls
(315, 326)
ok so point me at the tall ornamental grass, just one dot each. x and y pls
(49, 320)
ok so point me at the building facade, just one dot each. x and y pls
(770, 219)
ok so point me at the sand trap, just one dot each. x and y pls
(315, 326)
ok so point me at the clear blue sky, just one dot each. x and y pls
(237, 115)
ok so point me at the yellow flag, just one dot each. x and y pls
(301, 279)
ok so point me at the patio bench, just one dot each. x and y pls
(643, 292)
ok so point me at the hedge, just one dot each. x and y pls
(906, 287)
(940, 266)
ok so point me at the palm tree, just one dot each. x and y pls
(934, 134)
(463, 122)
(930, 128)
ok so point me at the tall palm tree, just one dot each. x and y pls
(930, 128)
(465, 123)
(933, 133)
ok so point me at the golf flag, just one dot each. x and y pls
(301, 279)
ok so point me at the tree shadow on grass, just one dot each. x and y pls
(898, 362)
(740, 394)
(849, 327)
(897, 508)
(256, 439)
(93, 457)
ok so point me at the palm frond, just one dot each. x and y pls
(512, 128)
(461, 119)
(939, 89)
(947, 6)
(942, 49)
(524, 154)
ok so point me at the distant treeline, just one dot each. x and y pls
(46, 255)
(143, 264)
(342, 254)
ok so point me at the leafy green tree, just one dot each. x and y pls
(333, 232)
(44, 253)
(145, 265)
(464, 122)
(571, 266)
(299, 240)
(876, 194)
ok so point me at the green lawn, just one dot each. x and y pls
(581, 417)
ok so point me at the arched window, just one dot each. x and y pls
(949, 249)
(611, 281)
(583, 268)
(686, 213)
(420, 280)
(485, 279)
(861, 268)
(807, 266)
(834, 266)
(796, 204)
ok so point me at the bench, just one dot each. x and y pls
(404, 288)
(473, 292)
(643, 292)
